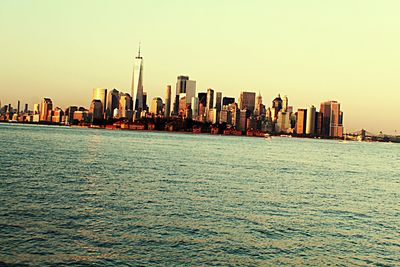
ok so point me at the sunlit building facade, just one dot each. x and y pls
(45, 107)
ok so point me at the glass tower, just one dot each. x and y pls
(137, 82)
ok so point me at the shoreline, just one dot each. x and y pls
(342, 140)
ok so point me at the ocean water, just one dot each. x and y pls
(87, 197)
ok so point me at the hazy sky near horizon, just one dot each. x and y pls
(311, 50)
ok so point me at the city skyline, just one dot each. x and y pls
(334, 59)
(186, 90)
(202, 112)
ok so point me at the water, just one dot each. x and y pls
(122, 198)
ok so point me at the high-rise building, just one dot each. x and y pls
(182, 106)
(301, 121)
(202, 105)
(227, 100)
(242, 122)
(69, 114)
(190, 90)
(276, 106)
(285, 104)
(210, 99)
(58, 115)
(26, 108)
(213, 116)
(184, 87)
(45, 107)
(137, 83)
(167, 112)
(181, 84)
(218, 101)
(225, 116)
(96, 108)
(202, 98)
(195, 106)
(36, 109)
(259, 105)
(100, 94)
(282, 124)
(336, 120)
(332, 119)
(318, 123)
(310, 128)
(156, 106)
(325, 110)
(18, 106)
(144, 101)
(247, 101)
(125, 106)
(112, 102)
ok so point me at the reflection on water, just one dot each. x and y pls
(81, 196)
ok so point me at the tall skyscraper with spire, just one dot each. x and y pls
(137, 82)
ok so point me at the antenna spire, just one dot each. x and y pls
(139, 50)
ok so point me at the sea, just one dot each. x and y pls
(93, 197)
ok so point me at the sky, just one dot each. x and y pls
(310, 50)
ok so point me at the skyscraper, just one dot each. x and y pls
(156, 106)
(235, 114)
(190, 90)
(225, 116)
(45, 107)
(195, 106)
(310, 128)
(144, 101)
(283, 122)
(210, 99)
(96, 108)
(336, 120)
(184, 88)
(242, 120)
(247, 101)
(182, 105)
(137, 83)
(112, 102)
(202, 98)
(167, 112)
(227, 100)
(100, 94)
(218, 101)
(301, 121)
(285, 103)
(69, 114)
(213, 116)
(202, 105)
(259, 106)
(36, 109)
(325, 110)
(181, 84)
(124, 106)
(276, 106)
(332, 119)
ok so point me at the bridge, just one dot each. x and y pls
(364, 135)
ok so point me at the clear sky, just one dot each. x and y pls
(310, 50)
